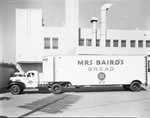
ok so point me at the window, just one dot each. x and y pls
(107, 43)
(81, 42)
(132, 43)
(55, 43)
(97, 42)
(148, 66)
(30, 75)
(123, 43)
(115, 43)
(147, 43)
(140, 43)
(46, 43)
(88, 42)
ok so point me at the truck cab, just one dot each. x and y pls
(21, 80)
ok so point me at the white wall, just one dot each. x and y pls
(111, 34)
(128, 35)
(71, 25)
(113, 51)
(116, 35)
(28, 34)
(1, 32)
(52, 32)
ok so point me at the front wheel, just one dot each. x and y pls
(15, 89)
(135, 86)
(56, 88)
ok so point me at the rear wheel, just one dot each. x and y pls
(135, 86)
(56, 88)
(15, 89)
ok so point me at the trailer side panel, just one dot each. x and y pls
(100, 70)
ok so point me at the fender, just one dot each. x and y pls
(22, 85)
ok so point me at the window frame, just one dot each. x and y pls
(140, 45)
(88, 42)
(108, 43)
(81, 42)
(97, 42)
(47, 43)
(115, 43)
(147, 43)
(132, 43)
(55, 43)
(123, 43)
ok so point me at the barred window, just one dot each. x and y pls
(55, 43)
(123, 43)
(115, 43)
(88, 42)
(81, 42)
(140, 43)
(132, 43)
(46, 43)
(107, 43)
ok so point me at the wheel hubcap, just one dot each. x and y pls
(56, 88)
(135, 86)
(15, 89)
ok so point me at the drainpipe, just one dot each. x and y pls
(94, 31)
(103, 10)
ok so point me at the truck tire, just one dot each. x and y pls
(126, 87)
(135, 86)
(15, 89)
(56, 88)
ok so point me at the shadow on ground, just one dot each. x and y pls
(4, 98)
(53, 104)
(36, 92)
(4, 91)
(83, 89)
(98, 89)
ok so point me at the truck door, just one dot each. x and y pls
(32, 80)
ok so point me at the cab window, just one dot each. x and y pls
(30, 75)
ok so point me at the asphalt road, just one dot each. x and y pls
(95, 102)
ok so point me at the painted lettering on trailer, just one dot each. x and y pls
(101, 62)
(100, 65)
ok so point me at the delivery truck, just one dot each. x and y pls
(84, 70)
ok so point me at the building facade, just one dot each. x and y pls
(34, 41)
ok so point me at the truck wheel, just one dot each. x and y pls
(126, 87)
(56, 88)
(135, 86)
(15, 89)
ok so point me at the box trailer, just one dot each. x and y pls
(85, 70)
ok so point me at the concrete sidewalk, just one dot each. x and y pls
(97, 101)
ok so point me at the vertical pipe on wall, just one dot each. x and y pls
(103, 10)
(94, 34)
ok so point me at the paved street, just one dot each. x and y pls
(102, 102)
